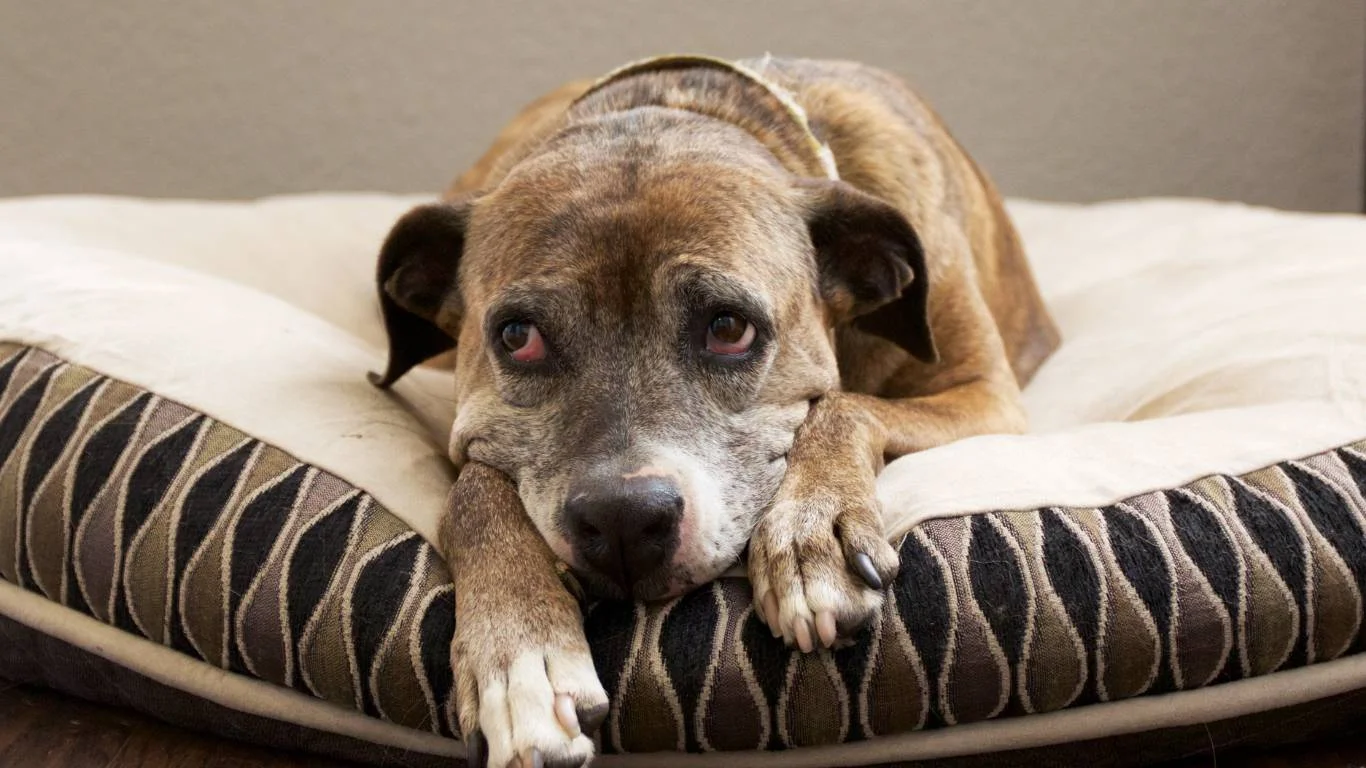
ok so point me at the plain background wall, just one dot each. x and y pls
(1258, 100)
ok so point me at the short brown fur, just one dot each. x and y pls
(881, 398)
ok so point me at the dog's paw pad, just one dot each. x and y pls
(818, 567)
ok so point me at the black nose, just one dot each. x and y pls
(624, 527)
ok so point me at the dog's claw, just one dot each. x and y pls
(591, 718)
(564, 712)
(863, 566)
(537, 761)
(825, 628)
(803, 632)
(577, 722)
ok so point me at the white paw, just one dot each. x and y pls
(818, 567)
(537, 708)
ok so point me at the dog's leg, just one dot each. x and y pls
(525, 683)
(818, 560)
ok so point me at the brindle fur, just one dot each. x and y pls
(602, 212)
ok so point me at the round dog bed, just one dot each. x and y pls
(206, 513)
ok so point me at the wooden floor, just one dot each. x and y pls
(46, 730)
(41, 729)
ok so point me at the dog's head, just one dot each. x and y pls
(642, 317)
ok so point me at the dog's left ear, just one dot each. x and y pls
(418, 296)
(872, 267)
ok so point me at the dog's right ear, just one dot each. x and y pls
(418, 296)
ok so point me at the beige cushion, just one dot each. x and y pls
(1200, 338)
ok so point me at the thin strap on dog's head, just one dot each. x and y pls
(821, 155)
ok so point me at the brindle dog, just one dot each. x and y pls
(675, 333)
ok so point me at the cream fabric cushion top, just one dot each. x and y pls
(1200, 337)
(185, 299)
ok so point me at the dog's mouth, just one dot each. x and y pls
(655, 588)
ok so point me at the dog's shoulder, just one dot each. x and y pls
(888, 141)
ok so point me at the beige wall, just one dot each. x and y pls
(1260, 100)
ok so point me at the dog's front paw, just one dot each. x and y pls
(527, 706)
(818, 565)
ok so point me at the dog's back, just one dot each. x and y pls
(890, 143)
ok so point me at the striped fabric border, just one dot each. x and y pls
(172, 526)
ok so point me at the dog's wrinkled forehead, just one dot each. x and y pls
(608, 214)
(626, 228)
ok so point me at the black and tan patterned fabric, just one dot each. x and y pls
(163, 522)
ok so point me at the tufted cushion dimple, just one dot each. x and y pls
(198, 486)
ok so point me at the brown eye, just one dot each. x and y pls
(522, 341)
(729, 334)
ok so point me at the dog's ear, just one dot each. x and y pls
(418, 264)
(872, 267)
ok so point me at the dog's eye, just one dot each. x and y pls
(729, 334)
(522, 341)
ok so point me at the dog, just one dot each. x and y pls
(694, 306)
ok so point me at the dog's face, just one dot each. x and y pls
(641, 323)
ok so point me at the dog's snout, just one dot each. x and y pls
(624, 527)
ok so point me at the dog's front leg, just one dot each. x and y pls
(525, 683)
(818, 560)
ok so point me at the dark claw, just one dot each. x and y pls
(476, 750)
(590, 718)
(863, 566)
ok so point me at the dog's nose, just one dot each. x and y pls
(624, 527)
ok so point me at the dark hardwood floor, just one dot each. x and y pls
(1336, 754)
(42, 729)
